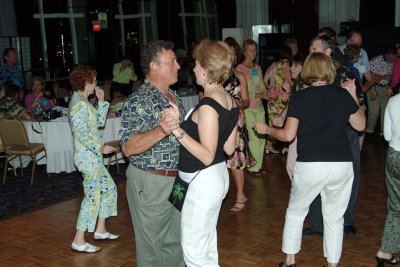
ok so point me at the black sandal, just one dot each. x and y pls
(381, 261)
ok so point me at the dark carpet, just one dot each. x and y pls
(18, 196)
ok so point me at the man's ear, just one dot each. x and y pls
(153, 65)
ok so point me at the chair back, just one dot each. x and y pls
(12, 132)
(107, 88)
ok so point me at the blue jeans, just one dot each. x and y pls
(315, 213)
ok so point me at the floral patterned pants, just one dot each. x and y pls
(100, 198)
(391, 233)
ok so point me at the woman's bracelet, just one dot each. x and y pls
(181, 135)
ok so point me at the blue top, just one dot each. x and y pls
(354, 70)
(141, 113)
(13, 74)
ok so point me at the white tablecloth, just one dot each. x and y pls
(57, 138)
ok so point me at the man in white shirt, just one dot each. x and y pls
(355, 38)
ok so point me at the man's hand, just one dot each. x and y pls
(389, 92)
(169, 121)
(373, 94)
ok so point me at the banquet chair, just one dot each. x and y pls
(3, 156)
(107, 88)
(117, 147)
(16, 144)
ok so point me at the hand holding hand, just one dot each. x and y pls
(106, 149)
(169, 120)
(174, 110)
(271, 95)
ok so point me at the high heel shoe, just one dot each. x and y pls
(282, 264)
(239, 206)
(381, 261)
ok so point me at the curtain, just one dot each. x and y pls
(8, 22)
(251, 12)
(331, 13)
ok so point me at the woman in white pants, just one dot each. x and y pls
(318, 117)
(206, 134)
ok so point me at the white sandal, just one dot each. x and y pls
(87, 248)
(104, 237)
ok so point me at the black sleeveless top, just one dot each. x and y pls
(227, 120)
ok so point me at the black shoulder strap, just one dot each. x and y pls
(37, 131)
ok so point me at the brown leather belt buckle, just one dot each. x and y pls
(171, 173)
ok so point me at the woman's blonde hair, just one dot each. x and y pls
(318, 67)
(216, 59)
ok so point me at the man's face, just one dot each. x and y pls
(295, 49)
(11, 58)
(356, 39)
(318, 47)
(168, 67)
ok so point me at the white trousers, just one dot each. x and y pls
(200, 215)
(333, 180)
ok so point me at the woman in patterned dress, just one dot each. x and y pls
(100, 200)
(278, 79)
(237, 88)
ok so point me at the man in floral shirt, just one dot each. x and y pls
(9, 105)
(145, 138)
(379, 95)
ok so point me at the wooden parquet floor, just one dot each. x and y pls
(249, 238)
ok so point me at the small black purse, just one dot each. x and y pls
(179, 190)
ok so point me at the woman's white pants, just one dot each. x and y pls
(200, 215)
(333, 180)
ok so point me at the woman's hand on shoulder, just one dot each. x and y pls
(349, 85)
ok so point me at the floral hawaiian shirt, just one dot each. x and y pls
(10, 107)
(142, 112)
(380, 66)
